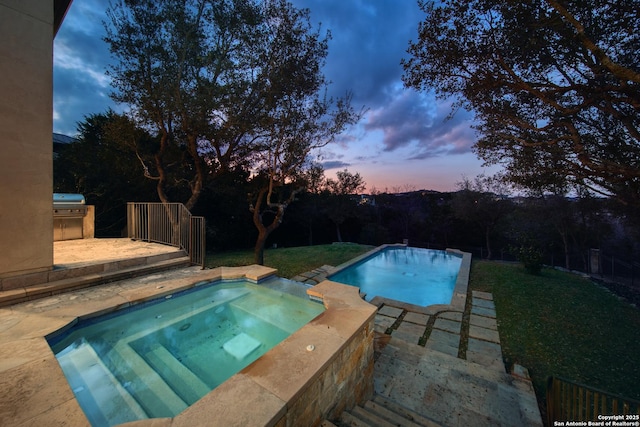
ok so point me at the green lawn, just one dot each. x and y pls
(562, 324)
(292, 261)
(553, 324)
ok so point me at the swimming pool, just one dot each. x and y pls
(156, 359)
(413, 275)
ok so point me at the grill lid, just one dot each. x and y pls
(64, 199)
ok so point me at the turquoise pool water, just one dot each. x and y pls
(412, 275)
(157, 359)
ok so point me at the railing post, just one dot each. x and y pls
(197, 241)
(149, 213)
(130, 221)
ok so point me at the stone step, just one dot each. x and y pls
(394, 418)
(401, 416)
(349, 420)
(370, 417)
(94, 275)
(382, 412)
(452, 391)
(417, 358)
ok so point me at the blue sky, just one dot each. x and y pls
(403, 142)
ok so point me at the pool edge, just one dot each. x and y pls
(460, 289)
(41, 395)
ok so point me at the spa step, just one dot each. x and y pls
(152, 392)
(381, 412)
(185, 383)
(84, 277)
(267, 307)
(91, 382)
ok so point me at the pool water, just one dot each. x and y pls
(412, 275)
(156, 360)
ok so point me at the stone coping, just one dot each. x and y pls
(259, 395)
(458, 299)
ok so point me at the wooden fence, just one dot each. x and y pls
(571, 401)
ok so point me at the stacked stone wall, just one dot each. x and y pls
(345, 382)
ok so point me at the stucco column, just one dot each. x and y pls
(26, 105)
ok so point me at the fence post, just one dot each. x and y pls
(613, 263)
(594, 258)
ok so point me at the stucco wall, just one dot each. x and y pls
(26, 90)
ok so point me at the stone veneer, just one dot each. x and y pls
(288, 386)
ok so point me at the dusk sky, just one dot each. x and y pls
(403, 142)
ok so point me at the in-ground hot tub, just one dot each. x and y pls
(312, 375)
(156, 359)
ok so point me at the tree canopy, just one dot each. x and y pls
(210, 78)
(554, 84)
(101, 165)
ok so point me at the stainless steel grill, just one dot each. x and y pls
(69, 211)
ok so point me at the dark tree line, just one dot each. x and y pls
(478, 217)
(227, 103)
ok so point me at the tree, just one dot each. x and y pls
(102, 166)
(232, 83)
(186, 69)
(341, 190)
(295, 118)
(308, 212)
(555, 86)
(578, 222)
(482, 202)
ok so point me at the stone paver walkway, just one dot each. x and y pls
(450, 391)
(443, 330)
(448, 370)
(447, 365)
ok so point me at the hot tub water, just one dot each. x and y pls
(156, 360)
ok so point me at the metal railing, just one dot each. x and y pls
(169, 224)
(571, 401)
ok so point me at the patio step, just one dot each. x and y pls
(68, 279)
(382, 412)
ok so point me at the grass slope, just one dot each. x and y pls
(562, 324)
